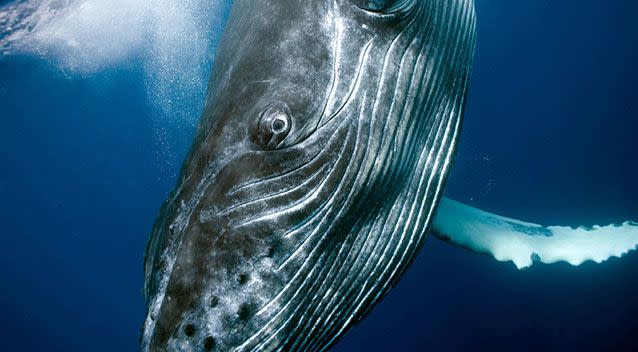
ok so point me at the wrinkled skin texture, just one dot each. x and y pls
(321, 156)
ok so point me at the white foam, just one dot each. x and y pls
(174, 41)
(77, 35)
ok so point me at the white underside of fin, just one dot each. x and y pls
(525, 243)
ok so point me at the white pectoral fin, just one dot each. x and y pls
(525, 243)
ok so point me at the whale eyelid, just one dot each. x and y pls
(275, 123)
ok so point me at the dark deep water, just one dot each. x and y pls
(549, 136)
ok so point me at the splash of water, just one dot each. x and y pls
(175, 41)
(80, 36)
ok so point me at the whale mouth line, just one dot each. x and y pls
(317, 160)
(315, 138)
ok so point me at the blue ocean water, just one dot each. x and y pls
(88, 157)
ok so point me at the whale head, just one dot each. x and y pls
(326, 139)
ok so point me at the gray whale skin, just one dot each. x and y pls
(329, 130)
(320, 158)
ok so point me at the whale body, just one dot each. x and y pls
(323, 151)
(316, 174)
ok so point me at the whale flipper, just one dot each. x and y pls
(524, 243)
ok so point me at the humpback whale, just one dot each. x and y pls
(317, 172)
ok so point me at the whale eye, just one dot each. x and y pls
(279, 124)
(274, 126)
(386, 6)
